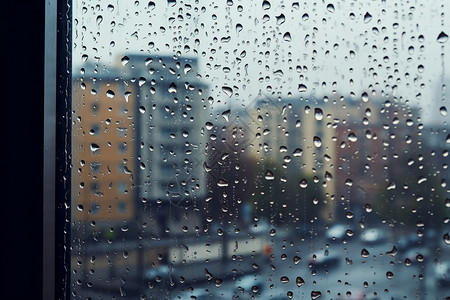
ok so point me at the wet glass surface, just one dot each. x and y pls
(256, 149)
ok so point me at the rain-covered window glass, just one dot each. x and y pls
(259, 150)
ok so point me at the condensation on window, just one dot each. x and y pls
(260, 150)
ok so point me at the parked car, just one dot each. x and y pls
(250, 285)
(162, 276)
(203, 294)
(324, 261)
(442, 274)
(337, 232)
(373, 236)
(416, 253)
(407, 241)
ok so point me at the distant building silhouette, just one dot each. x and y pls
(136, 137)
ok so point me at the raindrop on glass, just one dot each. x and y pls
(367, 17)
(280, 19)
(227, 90)
(317, 141)
(315, 294)
(269, 175)
(442, 37)
(330, 7)
(287, 37)
(284, 279)
(302, 88)
(266, 5)
(299, 281)
(446, 238)
(364, 253)
(318, 114)
(172, 88)
(125, 60)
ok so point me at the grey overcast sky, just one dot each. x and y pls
(270, 47)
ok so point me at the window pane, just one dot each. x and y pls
(248, 149)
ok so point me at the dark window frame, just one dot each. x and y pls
(56, 157)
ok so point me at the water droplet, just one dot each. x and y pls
(172, 88)
(218, 282)
(269, 175)
(280, 19)
(442, 37)
(391, 186)
(227, 90)
(266, 5)
(287, 37)
(127, 95)
(318, 114)
(446, 238)
(239, 27)
(297, 259)
(284, 279)
(226, 115)
(443, 111)
(307, 109)
(303, 183)
(315, 294)
(421, 179)
(297, 152)
(299, 281)
(389, 275)
(208, 274)
(330, 7)
(125, 60)
(80, 207)
(367, 17)
(99, 20)
(302, 88)
(110, 94)
(209, 125)
(420, 68)
(187, 68)
(364, 97)
(317, 141)
(222, 183)
(407, 262)
(352, 137)
(94, 147)
(364, 253)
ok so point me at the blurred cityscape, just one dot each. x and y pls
(283, 198)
